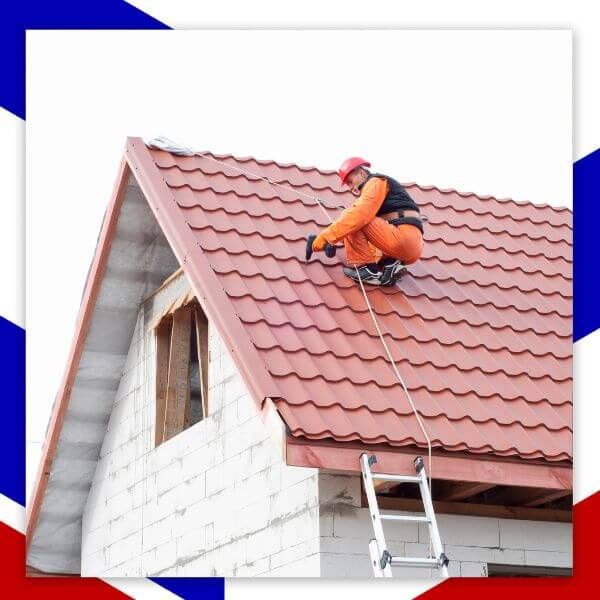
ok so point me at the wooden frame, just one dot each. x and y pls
(173, 336)
(475, 510)
(163, 349)
(201, 326)
(178, 387)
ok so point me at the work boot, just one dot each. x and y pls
(392, 269)
(367, 274)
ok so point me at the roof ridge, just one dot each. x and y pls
(330, 206)
(330, 172)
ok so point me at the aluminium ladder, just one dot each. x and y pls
(381, 558)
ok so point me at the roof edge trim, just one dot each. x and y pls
(211, 295)
(449, 468)
(84, 317)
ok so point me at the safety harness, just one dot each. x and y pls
(397, 200)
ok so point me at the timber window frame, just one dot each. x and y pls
(181, 398)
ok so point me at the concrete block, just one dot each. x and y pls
(158, 533)
(94, 541)
(345, 565)
(292, 475)
(326, 520)
(196, 462)
(131, 568)
(262, 454)
(536, 535)
(168, 477)
(482, 554)
(251, 569)
(549, 559)
(342, 545)
(294, 553)
(195, 515)
(96, 562)
(309, 566)
(255, 516)
(165, 559)
(119, 504)
(264, 542)
(295, 498)
(215, 480)
(298, 528)
(339, 489)
(252, 488)
(459, 530)
(125, 525)
(194, 489)
(349, 521)
(246, 407)
(473, 569)
(124, 549)
(191, 544)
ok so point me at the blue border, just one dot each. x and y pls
(586, 215)
(18, 16)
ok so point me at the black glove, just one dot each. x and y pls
(329, 249)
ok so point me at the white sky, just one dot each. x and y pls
(481, 111)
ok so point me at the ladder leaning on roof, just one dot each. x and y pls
(381, 559)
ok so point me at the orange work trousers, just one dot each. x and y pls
(378, 239)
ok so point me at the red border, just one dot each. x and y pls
(586, 529)
(16, 585)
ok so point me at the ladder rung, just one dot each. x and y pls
(403, 478)
(414, 562)
(404, 518)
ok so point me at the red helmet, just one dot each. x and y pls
(349, 165)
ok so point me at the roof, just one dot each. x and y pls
(480, 327)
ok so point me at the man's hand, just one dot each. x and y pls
(319, 243)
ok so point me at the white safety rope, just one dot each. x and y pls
(166, 144)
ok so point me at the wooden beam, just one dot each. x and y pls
(476, 510)
(473, 469)
(201, 324)
(523, 496)
(382, 485)
(461, 491)
(163, 343)
(547, 496)
(178, 385)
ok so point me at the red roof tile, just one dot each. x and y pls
(480, 327)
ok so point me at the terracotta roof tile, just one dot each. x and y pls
(480, 327)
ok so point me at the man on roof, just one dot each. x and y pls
(382, 230)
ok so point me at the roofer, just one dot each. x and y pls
(382, 230)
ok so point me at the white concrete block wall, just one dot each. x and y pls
(470, 542)
(216, 499)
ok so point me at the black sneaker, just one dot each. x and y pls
(392, 271)
(367, 274)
